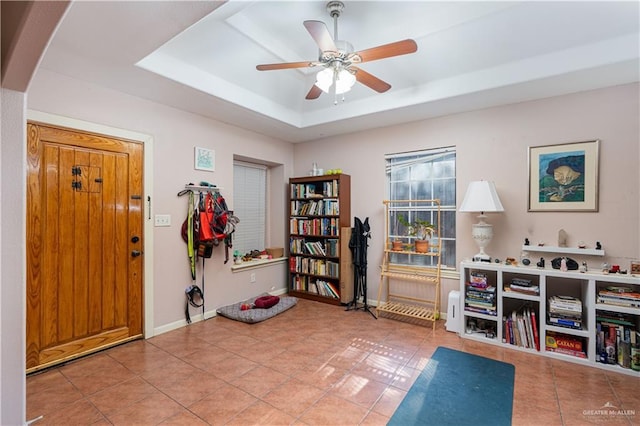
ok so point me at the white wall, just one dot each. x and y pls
(492, 144)
(12, 258)
(175, 134)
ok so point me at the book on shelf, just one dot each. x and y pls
(559, 303)
(522, 285)
(481, 310)
(534, 326)
(565, 322)
(618, 297)
(566, 344)
(478, 279)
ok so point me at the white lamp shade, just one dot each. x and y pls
(344, 81)
(324, 79)
(481, 197)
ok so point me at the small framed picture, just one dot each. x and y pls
(635, 267)
(564, 177)
(205, 159)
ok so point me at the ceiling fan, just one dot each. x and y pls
(338, 59)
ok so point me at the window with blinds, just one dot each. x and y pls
(425, 175)
(249, 205)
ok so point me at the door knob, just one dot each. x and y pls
(135, 239)
(135, 253)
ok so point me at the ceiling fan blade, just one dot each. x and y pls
(285, 65)
(314, 93)
(370, 80)
(321, 35)
(388, 50)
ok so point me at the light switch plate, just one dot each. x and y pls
(163, 220)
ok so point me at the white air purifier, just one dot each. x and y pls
(453, 314)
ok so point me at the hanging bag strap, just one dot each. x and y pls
(195, 298)
(188, 228)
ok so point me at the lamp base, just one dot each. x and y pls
(482, 257)
(482, 233)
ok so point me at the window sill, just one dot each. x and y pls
(258, 263)
(450, 274)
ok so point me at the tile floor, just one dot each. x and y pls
(315, 364)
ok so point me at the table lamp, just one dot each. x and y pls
(481, 197)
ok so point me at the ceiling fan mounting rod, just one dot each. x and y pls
(335, 9)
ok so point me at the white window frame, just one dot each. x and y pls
(448, 203)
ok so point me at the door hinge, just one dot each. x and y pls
(76, 185)
(76, 171)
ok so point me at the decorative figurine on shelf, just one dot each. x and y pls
(541, 263)
(526, 262)
(497, 260)
(563, 265)
(581, 244)
(526, 241)
(605, 268)
(562, 238)
(598, 245)
(583, 268)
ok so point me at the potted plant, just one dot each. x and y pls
(397, 244)
(422, 230)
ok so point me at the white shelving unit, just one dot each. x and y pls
(584, 286)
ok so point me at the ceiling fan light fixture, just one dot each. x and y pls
(344, 82)
(324, 79)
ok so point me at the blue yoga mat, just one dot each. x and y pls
(457, 388)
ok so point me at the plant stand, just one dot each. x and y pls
(410, 280)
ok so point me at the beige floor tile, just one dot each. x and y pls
(331, 410)
(262, 413)
(260, 381)
(293, 397)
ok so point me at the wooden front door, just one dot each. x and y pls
(84, 243)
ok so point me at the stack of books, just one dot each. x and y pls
(480, 296)
(565, 311)
(619, 296)
(522, 285)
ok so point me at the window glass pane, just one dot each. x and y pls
(448, 224)
(400, 191)
(421, 190)
(446, 191)
(448, 257)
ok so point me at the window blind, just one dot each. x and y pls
(249, 204)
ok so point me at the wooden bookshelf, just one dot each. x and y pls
(320, 266)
